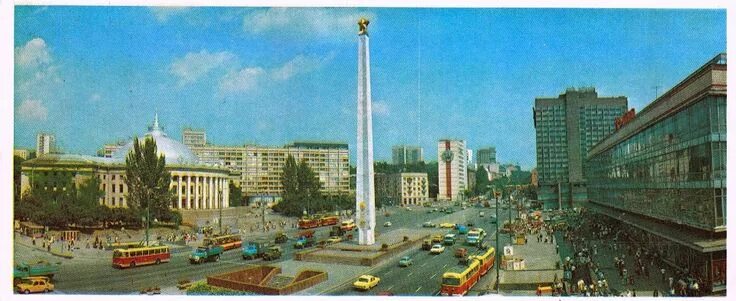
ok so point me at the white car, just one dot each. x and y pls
(387, 224)
(437, 249)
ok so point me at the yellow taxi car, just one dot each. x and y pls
(447, 225)
(34, 285)
(366, 282)
(334, 239)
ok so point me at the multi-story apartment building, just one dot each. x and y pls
(452, 169)
(45, 144)
(407, 154)
(23, 153)
(567, 127)
(259, 168)
(662, 175)
(407, 188)
(194, 137)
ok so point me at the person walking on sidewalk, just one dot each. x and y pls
(664, 278)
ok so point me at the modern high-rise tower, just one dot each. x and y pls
(45, 144)
(452, 169)
(407, 154)
(567, 127)
(365, 205)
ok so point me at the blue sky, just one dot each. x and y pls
(93, 75)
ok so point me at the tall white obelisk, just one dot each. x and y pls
(365, 204)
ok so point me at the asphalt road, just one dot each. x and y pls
(97, 276)
(424, 276)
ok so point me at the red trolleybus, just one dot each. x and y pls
(329, 220)
(130, 258)
(460, 279)
(227, 242)
(308, 223)
(486, 260)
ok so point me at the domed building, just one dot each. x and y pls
(195, 185)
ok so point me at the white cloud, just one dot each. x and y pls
(380, 108)
(164, 13)
(243, 80)
(194, 65)
(31, 109)
(305, 22)
(37, 79)
(249, 78)
(34, 53)
(298, 65)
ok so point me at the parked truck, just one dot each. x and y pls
(206, 253)
(255, 249)
(272, 253)
(304, 242)
(305, 239)
(40, 268)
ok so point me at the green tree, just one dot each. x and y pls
(85, 208)
(433, 177)
(289, 179)
(302, 190)
(236, 195)
(147, 179)
(481, 181)
(308, 183)
(148, 182)
(17, 177)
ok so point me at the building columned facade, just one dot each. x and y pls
(406, 188)
(452, 169)
(258, 169)
(407, 154)
(663, 174)
(194, 184)
(567, 127)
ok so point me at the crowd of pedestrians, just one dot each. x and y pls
(592, 239)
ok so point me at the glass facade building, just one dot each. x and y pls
(486, 155)
(566, 128)
(667, 166)
(407, 154)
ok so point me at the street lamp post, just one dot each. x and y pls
(498, 284)
(496, 260)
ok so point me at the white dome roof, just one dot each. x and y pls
(174, 151)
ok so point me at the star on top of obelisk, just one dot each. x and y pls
(363, 26)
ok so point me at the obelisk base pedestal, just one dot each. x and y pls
(366, 236)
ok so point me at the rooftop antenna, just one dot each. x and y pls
(656, 91)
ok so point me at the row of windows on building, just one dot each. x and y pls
(701, 119)
(696, 163)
